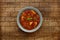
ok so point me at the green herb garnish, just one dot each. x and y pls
(29, 19)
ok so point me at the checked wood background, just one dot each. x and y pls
(50, 29)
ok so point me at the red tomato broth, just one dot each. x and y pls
(29, 19)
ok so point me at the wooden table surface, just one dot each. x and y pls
(50, 29)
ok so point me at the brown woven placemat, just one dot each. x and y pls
(50, 29)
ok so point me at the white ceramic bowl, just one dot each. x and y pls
(20, 26)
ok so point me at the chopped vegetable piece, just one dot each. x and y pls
(23, 14)
(35, 23)
(29, 14)
(30, 23)
(35, 18)
(22, 17)
(33, 12)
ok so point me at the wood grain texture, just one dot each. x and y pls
(50, 29)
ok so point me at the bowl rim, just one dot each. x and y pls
(19, 14)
